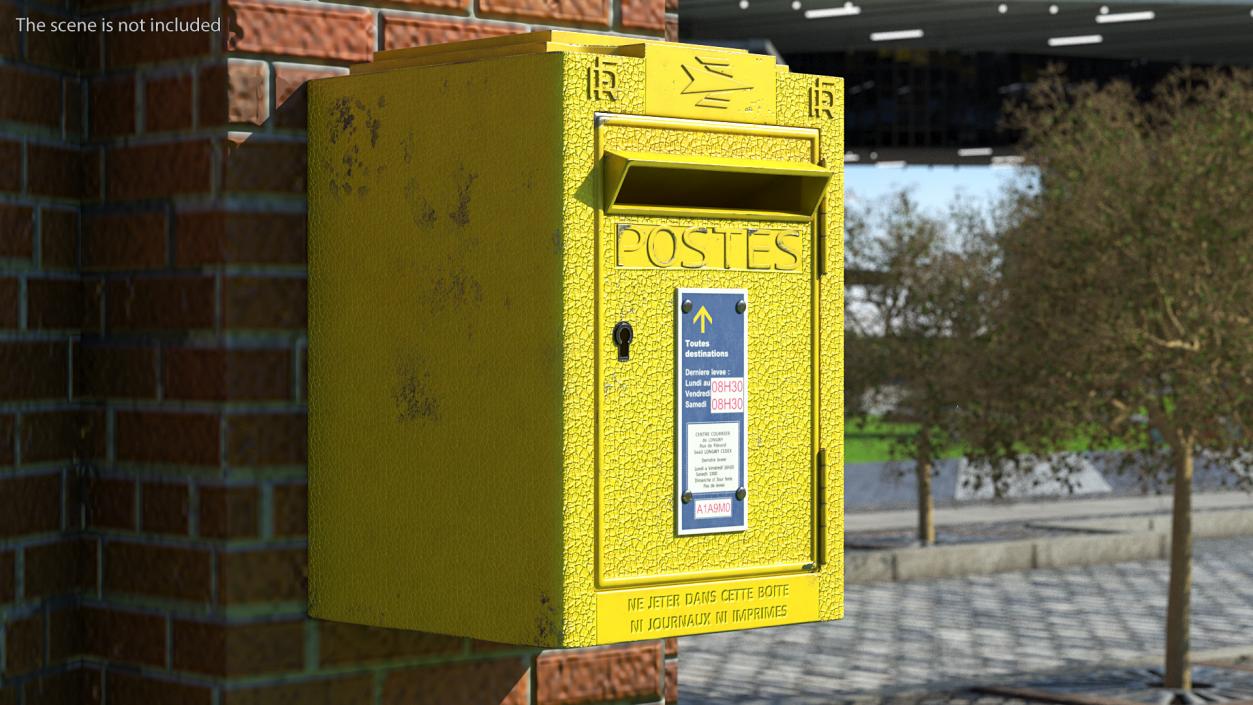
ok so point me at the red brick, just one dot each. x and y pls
(239, 649)
(65, 636)
(111, 106)
(229, 512)
(10, 302)
(130, 48)
(81, 685)
(161, 303)
(58, 239)
(111, 504)
(8, 426)
(54, 171)
(165, 508)
(254, 164)
(153, 171)
(212, 238)
(588, 12)
(10, 44)
(647, 15)
(124, 241)
(8, 583)
(92, 172)
(234, 93)
(108, 371)
(264, 303)
(351, 690)
(503, 682)
(24, 644)
(17, 230)
(266, 439)
(268, 575)
(124, 636)
(293, 30)
(54, 304)
(575, 677)
(126, 689)
(291, 93)
(400, 31)
(220, 375)
(291, 510)
(30, 97)
(167, 437)
(29, 505)
(61, 435)
(159, 571)
(168, 103)
(60, 568)
(672, 682)
(342, 644)
(72, 101)
(55, 49)
(671, 646)
(10, 153)
(45, 371)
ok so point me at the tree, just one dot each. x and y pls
(1126, 312)
(909, 330)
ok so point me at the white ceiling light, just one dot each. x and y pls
(1075, 40)
(848, 10)
(851, 157)
(1008, 160)
(975, 152)
(743, 4)
(1126, 17)
(1002, 8)
(890, 165)
(896, 35)
(1104, 9)
(796, 4)
(1052, 9)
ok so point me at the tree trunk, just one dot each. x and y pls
(926, 506)
(1179, 607)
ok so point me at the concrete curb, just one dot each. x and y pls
(862, 567)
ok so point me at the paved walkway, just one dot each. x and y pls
(1042, 511)
(910, 636)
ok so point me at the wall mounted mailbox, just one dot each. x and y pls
(575, 341)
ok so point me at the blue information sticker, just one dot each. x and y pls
(711, 458)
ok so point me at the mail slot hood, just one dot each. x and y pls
(648, 183)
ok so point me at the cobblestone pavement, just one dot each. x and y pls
(942, 633)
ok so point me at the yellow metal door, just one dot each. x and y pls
(650, 246)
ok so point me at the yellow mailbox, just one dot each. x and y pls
(575, 341)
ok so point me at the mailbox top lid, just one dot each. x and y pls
(532, 43)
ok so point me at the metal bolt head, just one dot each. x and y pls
(687, 497)
(741, 493)
(687, 306)
(740, 306)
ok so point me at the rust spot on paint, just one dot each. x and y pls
(412, 394)
(461, 215)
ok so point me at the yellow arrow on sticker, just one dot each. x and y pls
(703, 317)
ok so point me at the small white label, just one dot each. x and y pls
(713, 457)
(713, 508)
(726, 395)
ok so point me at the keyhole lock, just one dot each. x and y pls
(623, 334)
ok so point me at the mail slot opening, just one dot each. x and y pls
(645, 183)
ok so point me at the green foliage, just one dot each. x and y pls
(1126, 307)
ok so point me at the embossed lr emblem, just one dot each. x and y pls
(711, 79)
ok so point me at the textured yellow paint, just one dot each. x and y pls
(676, 610)
(709, 83)
(461, 283)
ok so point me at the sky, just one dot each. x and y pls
(933, 187)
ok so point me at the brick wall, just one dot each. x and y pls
(152, 367)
